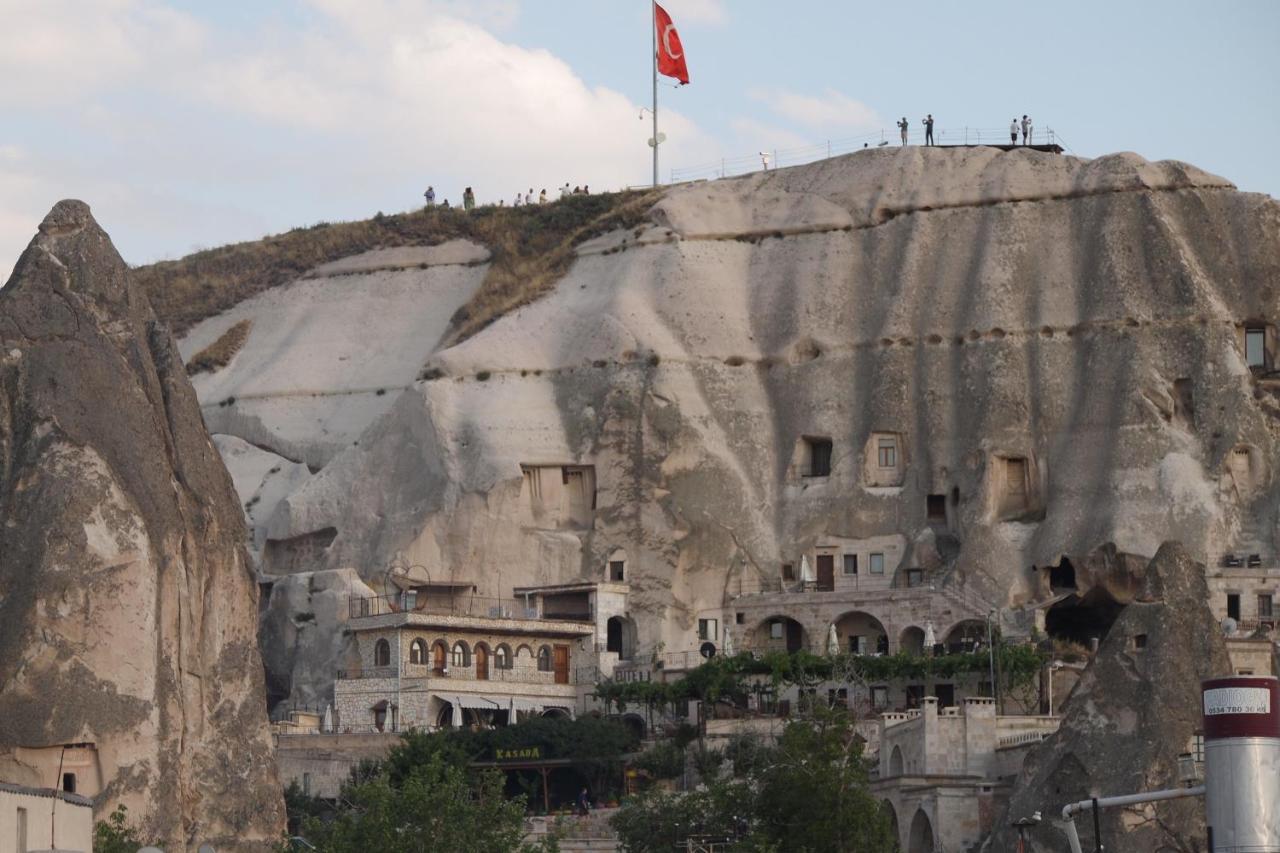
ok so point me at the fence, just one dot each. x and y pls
(470, 605)
(780, 157)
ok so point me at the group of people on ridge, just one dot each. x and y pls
(1014, 126)
(521, 199)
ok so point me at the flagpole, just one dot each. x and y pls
(653, 33)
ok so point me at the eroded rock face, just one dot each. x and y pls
(1133, 712)
(127, 609)
(1055, 345)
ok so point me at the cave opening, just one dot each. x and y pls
(1080, 619)
(1062, 576)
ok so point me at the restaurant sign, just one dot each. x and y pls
(523, 753)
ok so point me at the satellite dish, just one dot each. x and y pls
(206, 848)
(707, 650)
(1229, 626)
(662, 137)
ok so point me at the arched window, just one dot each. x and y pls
(382, 653)
(525, 654)
(439, 655)
(418, 652)
(544, 659)
(461, 654)
(502, 657)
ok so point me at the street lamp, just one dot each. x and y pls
(991, 658)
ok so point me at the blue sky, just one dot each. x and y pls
(188, 123)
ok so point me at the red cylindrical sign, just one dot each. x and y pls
(1241, 706)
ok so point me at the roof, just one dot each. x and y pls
(73, 799)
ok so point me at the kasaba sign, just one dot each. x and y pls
(523, 753)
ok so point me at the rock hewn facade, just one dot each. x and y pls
(128, 611)
(1135, 709)
(995, 358)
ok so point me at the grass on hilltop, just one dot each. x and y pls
(218, 354)
(532, 247)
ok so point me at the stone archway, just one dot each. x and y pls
(965, 635)
(897, 766)
(778, 633)
(920, 838)
(620, 637)
(892, 813)
(861, 633)
(911, 641)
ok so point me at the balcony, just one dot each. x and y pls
(361, 607)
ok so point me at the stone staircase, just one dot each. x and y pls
(1254, 538)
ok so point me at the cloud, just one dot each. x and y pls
(710, 12)
(828, 111)
(181, 131)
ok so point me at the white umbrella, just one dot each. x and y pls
(833, 640)
(930, 639)
(727, 649)
(457, 713)
(806, 571)
(327, 724)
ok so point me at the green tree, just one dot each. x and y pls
(658, 820)
(814, 796)
(116, 834)
(436, 807)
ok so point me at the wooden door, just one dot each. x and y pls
(482, 663)
(438, 656)
(561, 664)
(826, 572)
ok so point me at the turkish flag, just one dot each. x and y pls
(670, 51)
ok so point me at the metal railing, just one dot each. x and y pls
(795, 156)
(487, 607)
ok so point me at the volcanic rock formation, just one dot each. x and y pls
(1052, 347)
(1135, 709)
(128, 610)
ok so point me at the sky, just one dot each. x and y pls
(188, 124)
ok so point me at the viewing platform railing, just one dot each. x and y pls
(463, 605)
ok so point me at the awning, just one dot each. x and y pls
(478, 702)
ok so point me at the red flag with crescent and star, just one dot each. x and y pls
(670, 51)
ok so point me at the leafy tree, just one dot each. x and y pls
(436, 807)
(116, 834)
(814, 796)
(808, 794)
(658, 820)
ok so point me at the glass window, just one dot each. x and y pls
(1233, 606)
(877, 564)
(858, 644)
(615, 570)
(1264, 606)
(461, 655)
(888, 448)
(544, 659)
(775, 630)
(915, 577)
(1255, 347)
(382, 653)
(879, 697)
(707, 629)
(850, 564)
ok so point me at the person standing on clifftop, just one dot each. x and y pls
(430, 196)
(565, 192)
(902, 126)
(1013, 132)
(542, 196)
(927, 121)
(1026, 129)
(468, 199)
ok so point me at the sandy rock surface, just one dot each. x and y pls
(1133, 712)
(1079, 318)
(128, 609)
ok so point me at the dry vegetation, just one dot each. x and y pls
(218, 354)
(532, 247)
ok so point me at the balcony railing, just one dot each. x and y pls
(515, 674)
(464, 605)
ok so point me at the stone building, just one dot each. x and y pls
(944, 773)
(436, 656)
(34, 819)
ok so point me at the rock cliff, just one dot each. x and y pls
(128, 611)
(1046, 353)
(1135, 709)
